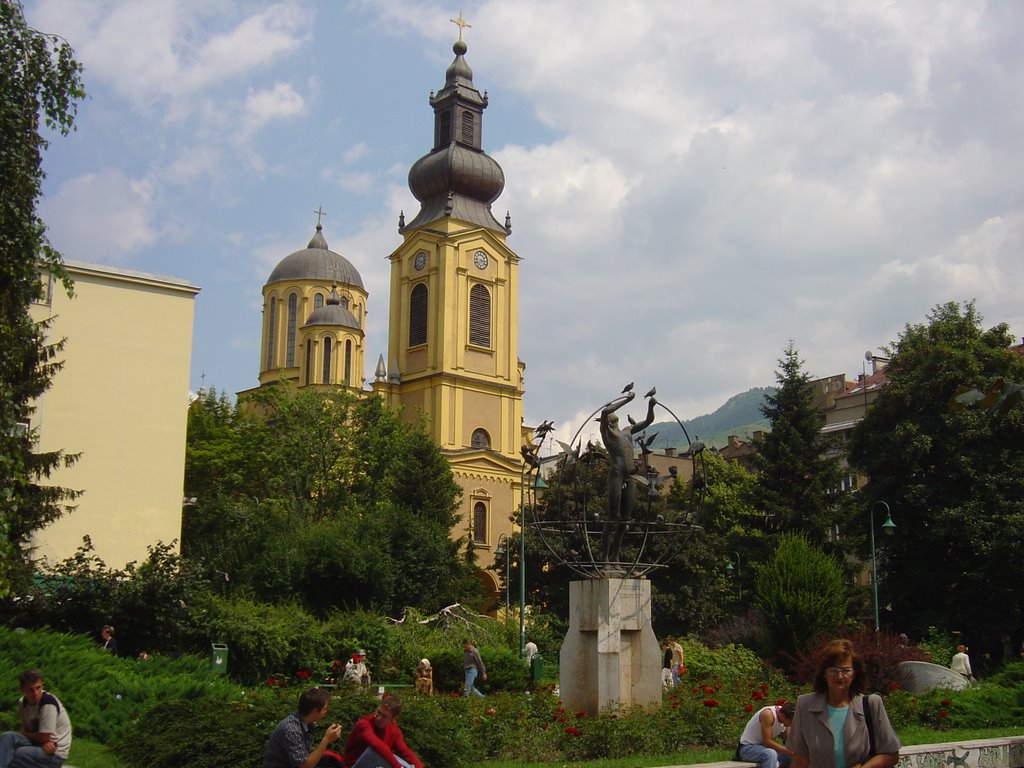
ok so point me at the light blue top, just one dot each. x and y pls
(836, 720)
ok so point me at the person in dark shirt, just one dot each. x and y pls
(291, 743)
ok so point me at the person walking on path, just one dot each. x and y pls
(961, 663)
(760, 740)
(473, 666)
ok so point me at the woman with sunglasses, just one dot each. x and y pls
(837, 726)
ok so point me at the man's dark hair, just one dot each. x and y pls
(391, 701)
(313, 699)
(29, 676)
(788, 709)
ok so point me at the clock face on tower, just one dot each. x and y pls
(420, 261)
(480, 259)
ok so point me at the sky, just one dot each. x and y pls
(691, 184)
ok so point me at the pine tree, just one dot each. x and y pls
(799, 484)
(41, 79)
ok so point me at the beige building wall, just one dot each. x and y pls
(121, 401)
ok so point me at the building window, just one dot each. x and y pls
(318, 301)
(348, 362)
(293, 305)
(344, 302)
(271, 331)
(444, 134)
(418, 315)
(479, 523)
(309, 360)
(479, 316)
(326, 378)
(467, 128)
(481, 439)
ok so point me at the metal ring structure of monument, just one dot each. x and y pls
(597, 543)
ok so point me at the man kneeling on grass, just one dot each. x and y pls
(375, 740)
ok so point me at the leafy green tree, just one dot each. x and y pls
(953, 478)
(800, 592)
(40, 81)
(799, 483)
(323, 495)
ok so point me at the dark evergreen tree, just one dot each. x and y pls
(953, 477)
(39, 81)
(799, 483)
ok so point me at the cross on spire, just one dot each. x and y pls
(460, 23)
(319, 212)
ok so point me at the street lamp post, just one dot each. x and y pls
(503, 549)
(888, 526)
(738, 574)
(522, 561)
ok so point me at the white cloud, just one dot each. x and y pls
(279, 102)
(101, 217)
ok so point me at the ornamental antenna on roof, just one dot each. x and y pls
(460, 23)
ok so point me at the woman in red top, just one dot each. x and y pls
(376, 739)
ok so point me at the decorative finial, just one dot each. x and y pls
(319, 212)
(401, 220)
(508, 223)
(460, 23)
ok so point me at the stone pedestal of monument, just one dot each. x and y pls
(610, 657)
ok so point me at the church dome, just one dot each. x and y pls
(332, 313)
(317, 262)
(458, 169)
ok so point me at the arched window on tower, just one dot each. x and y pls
(479, 523)
(318, 301)
(480, 316)
(480, 439)
(418, 315)
(293, 305)
(309, 361)
(271, 332)
(444, 131)
(467, 128)
(348, 362)
(344, 302)
(326, 377)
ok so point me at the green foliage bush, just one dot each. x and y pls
(800, 592)
(103, 694)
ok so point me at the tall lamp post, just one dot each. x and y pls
(888, 526)
(522, 561)
(503, 549)
(738, 574)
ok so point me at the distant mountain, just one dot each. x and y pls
(740, 416)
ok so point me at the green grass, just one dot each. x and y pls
(909, 736)
(89, 754)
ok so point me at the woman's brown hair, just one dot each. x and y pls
(833, 653)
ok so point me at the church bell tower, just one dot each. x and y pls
(453, 321)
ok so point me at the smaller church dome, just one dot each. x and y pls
(332, 313)
(317, 262)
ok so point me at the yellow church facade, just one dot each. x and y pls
(120, 326)
(452, 351)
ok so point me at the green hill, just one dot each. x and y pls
(740, 415)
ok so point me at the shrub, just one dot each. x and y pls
(800, 592)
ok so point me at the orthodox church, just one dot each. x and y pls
(452, 321)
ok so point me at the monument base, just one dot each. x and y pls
(610, 657)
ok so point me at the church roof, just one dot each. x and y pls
(332, 313)
(317, 262)
(457, 178)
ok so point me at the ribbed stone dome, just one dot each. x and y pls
(317, 262)
(332, 313)
(457, 169)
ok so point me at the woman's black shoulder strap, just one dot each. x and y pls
(869, 721)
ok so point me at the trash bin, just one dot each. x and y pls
(536, 668)
(219, 658)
